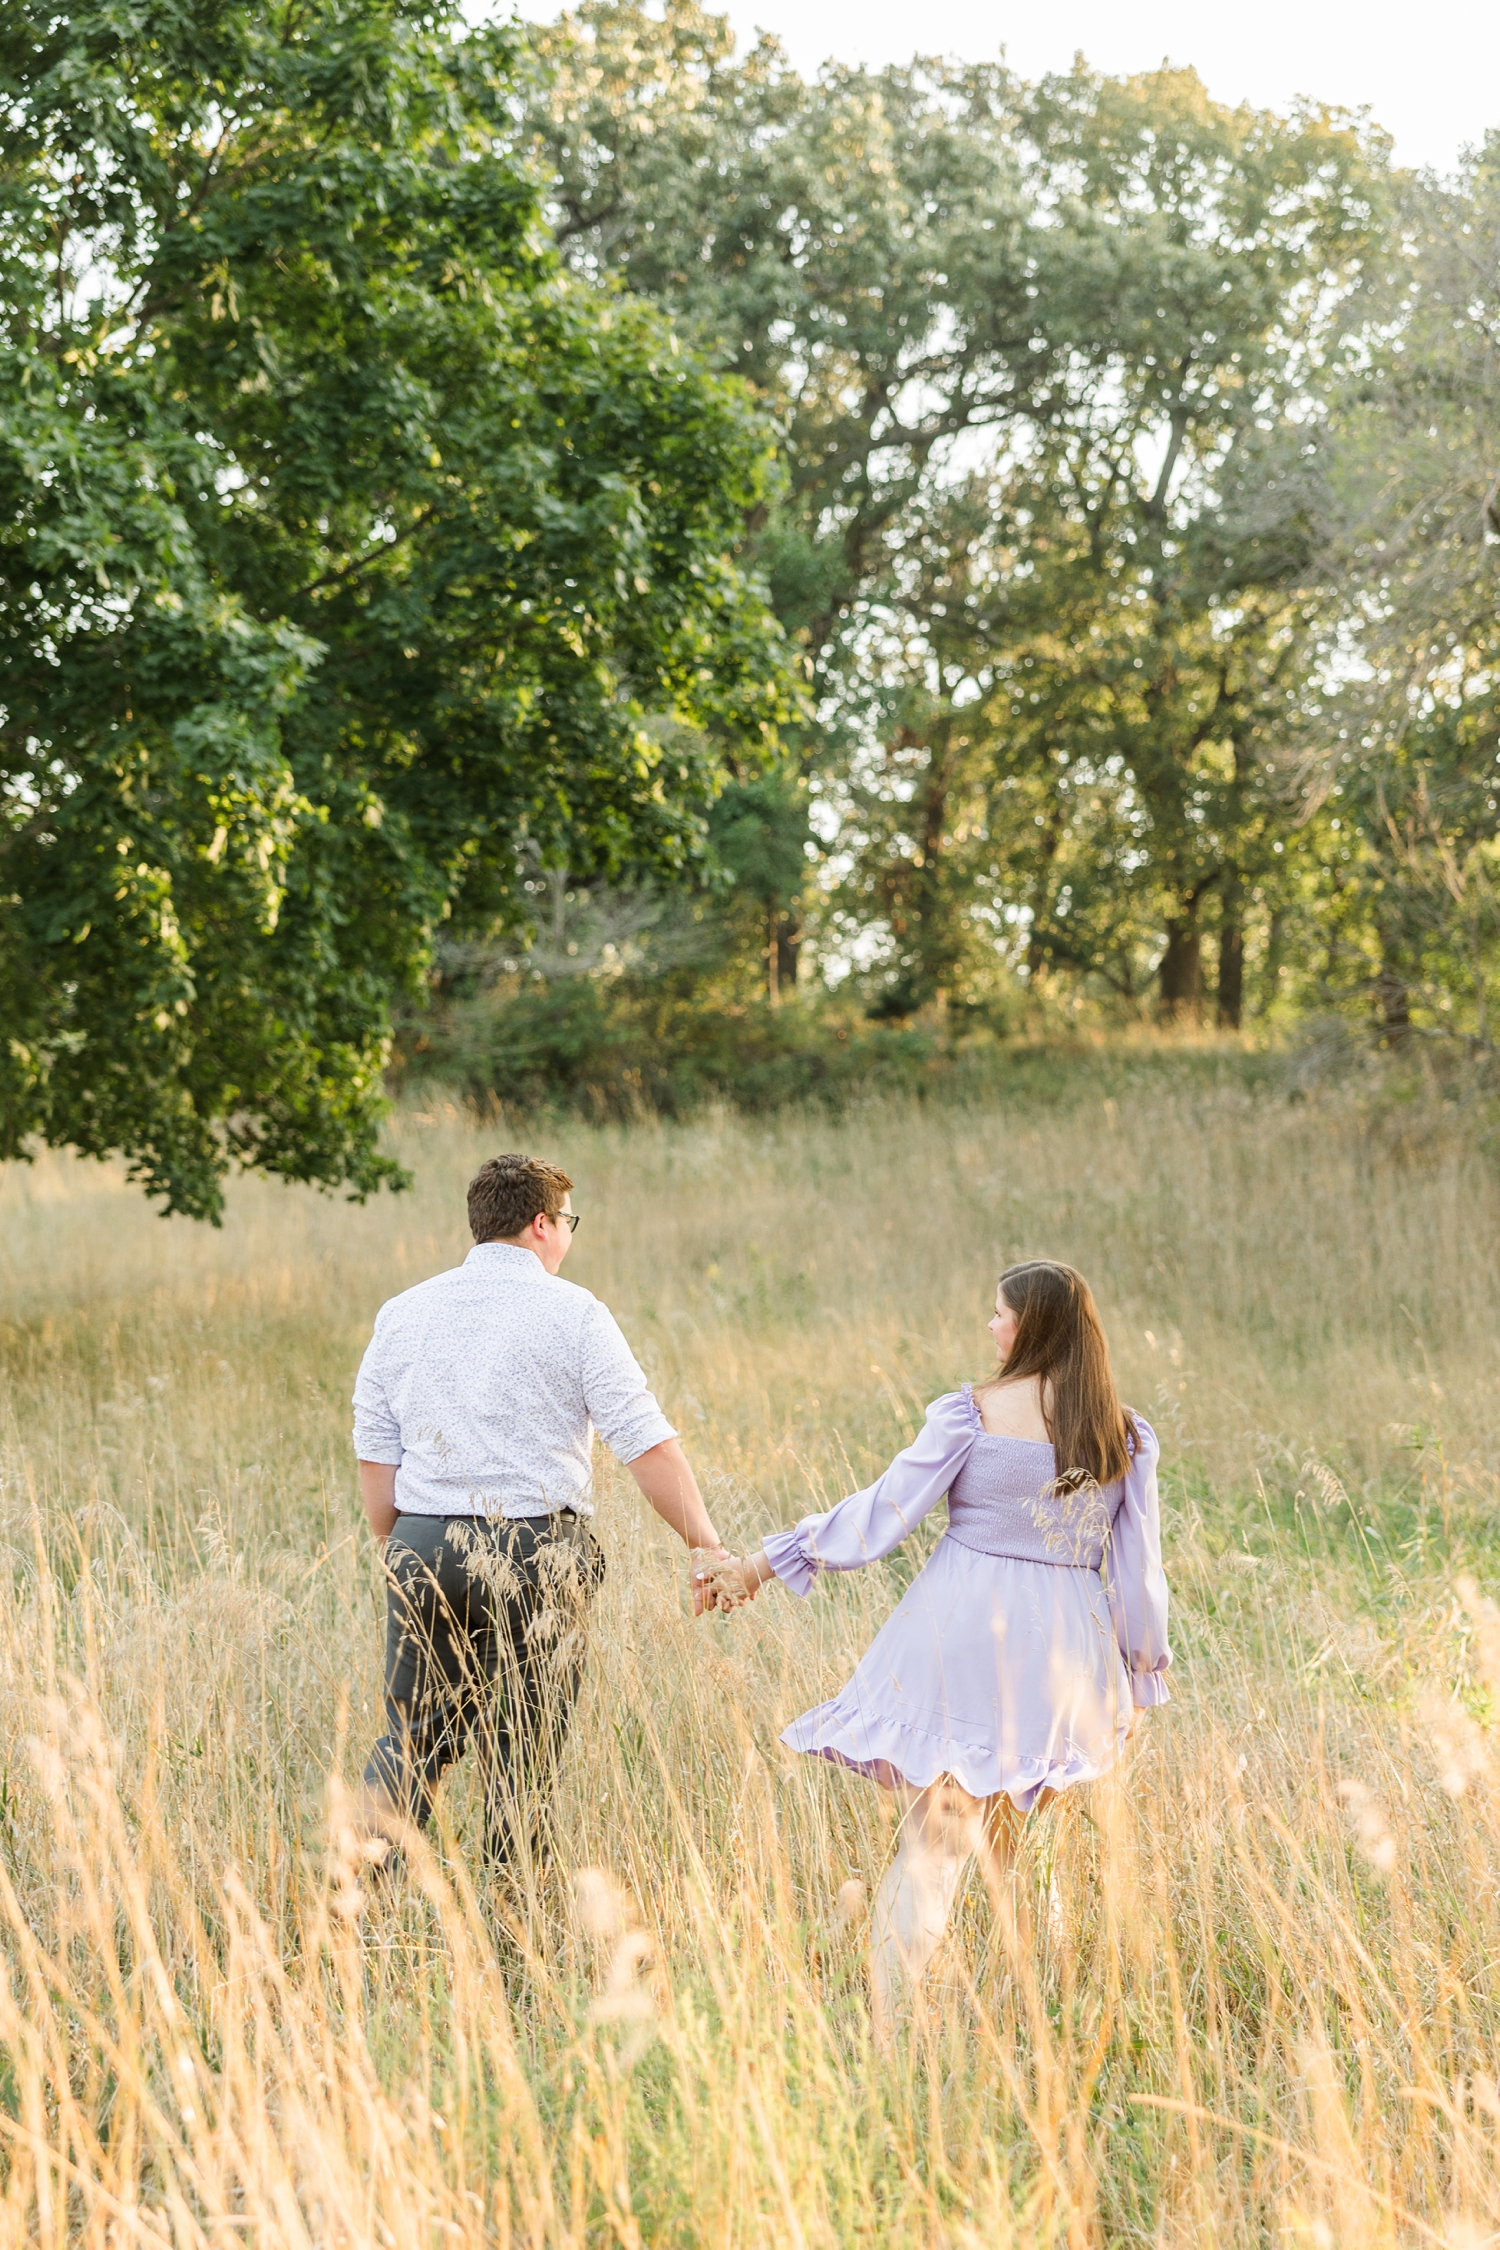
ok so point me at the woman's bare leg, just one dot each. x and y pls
(999, 1841)
(1000, 1831)
(941, 1829)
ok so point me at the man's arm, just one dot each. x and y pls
(668, 1482)
(377, 1433)
(377, 1486)
(665, 1476)
(627, 1417)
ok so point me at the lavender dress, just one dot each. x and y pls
(1012, 1658)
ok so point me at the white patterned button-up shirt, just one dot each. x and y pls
(485, 1384)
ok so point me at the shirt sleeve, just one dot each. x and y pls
(620, 1406)
(870, 1523)
(1137, 1582)
(377, 1433)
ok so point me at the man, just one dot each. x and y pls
(474, 1413)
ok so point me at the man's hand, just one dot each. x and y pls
(704, 1564)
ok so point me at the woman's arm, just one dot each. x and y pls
(1137, 1582)
(870, 1523)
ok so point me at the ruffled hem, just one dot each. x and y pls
(889, 1751)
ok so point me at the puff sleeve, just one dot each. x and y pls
(1137, 1582)
(870, 1523)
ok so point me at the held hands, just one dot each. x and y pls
(725, 1581)
(703, 1565)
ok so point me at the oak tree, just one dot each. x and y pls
(353, 558)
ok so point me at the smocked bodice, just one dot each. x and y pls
(1001, 1502)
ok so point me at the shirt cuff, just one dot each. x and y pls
(790, 1560)
(1147, 1689)
(630, 1444)
(389, 1452)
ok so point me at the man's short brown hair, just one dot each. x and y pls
(506, 1194)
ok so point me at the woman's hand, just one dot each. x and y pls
(730, 1582)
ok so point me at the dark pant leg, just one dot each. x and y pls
(547, 1578)
(439, 1663)
(486, 1626)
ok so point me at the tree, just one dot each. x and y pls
(851, 249)
(1406, 760)
(355, 558)
(1045, 363)
(758, 830)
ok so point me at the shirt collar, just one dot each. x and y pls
(511, 1258)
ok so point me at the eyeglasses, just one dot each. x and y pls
(568, 1219)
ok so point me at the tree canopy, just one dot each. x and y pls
(355, 560)
(982, 538)
(1056, 369)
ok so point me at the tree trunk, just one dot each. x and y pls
(1271, 974)
(788, 948)
(773, 956)
(1041, 893)
(1181, 973)
(930, 891)
(1393, 999)
(1231, 991)
(1231, 995)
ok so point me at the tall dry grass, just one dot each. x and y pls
(1253, 1993)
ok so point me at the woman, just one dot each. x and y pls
(1014, 1666)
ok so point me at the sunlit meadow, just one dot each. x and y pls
(1249, 1995)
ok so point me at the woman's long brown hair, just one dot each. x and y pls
(1060, 1339)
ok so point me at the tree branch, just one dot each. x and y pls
(1156, 506)
(362, 562)
(581, 220)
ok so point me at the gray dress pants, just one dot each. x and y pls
(485, 1635)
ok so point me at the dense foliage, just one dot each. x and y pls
(355, 562)
(397, 421)
(1138, 453)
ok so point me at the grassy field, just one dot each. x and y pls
(1269, 2010)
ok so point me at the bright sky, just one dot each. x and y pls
(1429, 72)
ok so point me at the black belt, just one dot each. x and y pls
(563, 1523)
(556, 1517)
